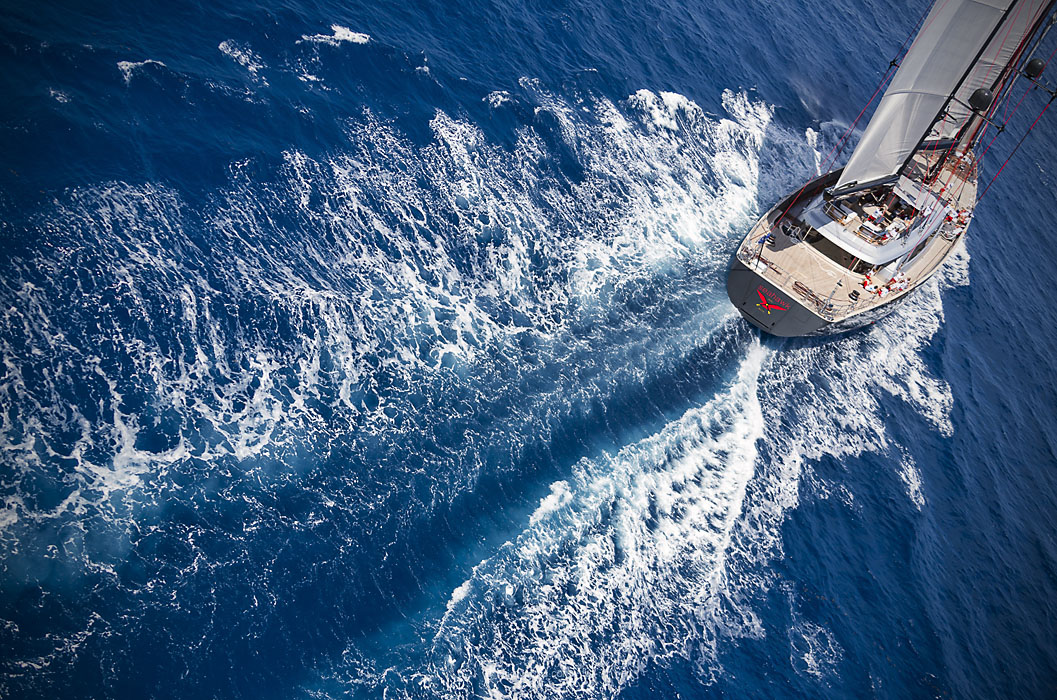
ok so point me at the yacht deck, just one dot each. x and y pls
(806, 273)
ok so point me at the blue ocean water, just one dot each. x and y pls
(382, 350)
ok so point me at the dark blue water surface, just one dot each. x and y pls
(364, 350)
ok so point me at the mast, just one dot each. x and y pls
(1002, 85)
(972, 66)
(953, 37)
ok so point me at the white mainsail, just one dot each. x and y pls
(949, 43)
(1021, 20)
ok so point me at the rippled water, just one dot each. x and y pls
(384, 350)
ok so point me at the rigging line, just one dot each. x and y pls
(923, 218)
(1003, 85)
(834, 152)
(991, 35)
(894, 63)
(839, 148)
(953, 173)
(1005, 123)
(956, 195)
(1016, 148)
(1029, 89)
(1005, 38)
(1005, 82)
(930, 180)
(1011, 76)
(927, 10)
(1009, 79)
(935, 148)
(991, 108)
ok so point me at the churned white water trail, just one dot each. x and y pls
(365, 259)
(663, 550)
(361, 289)
(620, 564)
(354, 302)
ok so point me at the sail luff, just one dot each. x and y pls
(944, 52)
(943, 115)
(971, 129)
(992, 67)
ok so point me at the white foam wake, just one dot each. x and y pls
(370, 271)
(399, 266)
(620, 564)
(663, 549)
(245, 57)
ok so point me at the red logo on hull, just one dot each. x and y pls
(769, 301)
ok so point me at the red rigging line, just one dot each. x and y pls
(894, 63)
(838, 148)
(1008, 117)
(1001, 85)
(961, 81)
(1004, 123)
(1007, 79)
(1037, 21)
(974, 79)
(1004, 83)
(1016, 54)
(1016, 148)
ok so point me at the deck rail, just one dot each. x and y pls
(829, 310)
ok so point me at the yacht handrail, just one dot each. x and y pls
(830, 311)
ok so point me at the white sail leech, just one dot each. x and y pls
(951, 39)
(1001, 50)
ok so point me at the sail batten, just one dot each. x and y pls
(954, 37)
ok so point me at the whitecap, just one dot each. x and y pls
(339, 35)
(129, 68)
(244, 56)
(497, 98)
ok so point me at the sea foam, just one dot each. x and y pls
(338, 35)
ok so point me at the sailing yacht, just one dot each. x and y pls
(849, 245)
